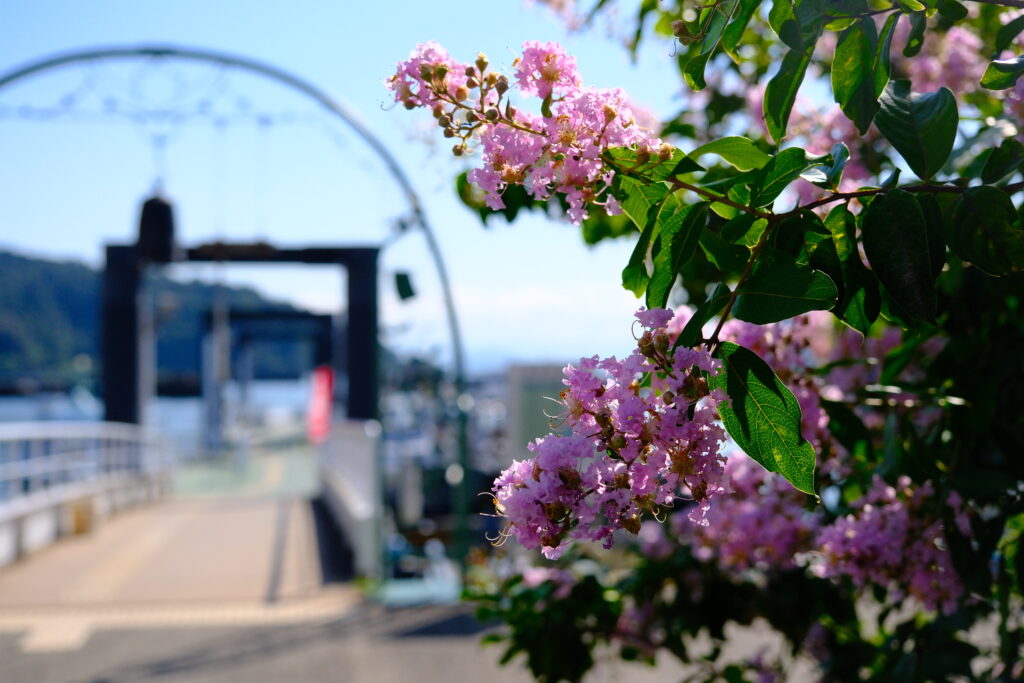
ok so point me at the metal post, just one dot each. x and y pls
(122, 400)
(361, 333)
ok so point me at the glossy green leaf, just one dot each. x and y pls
(638, 198)
(728, 258)
(915, 39)
(1007, 32)
(763, 416)
(693, 72)
(625, 161)
(921, 126)
(634, 275)
(952, 10)
(986, 231)
(859, 302)
(737, 151)
(1003, 74)
(691, 334)
(881, 66)
(779, 172)
(1004, 160)
(734, 31)
(744, 229)
(853, 77)
(896, 245)
(781, 291)
(829, 176)
(679, 226)
(780, 93)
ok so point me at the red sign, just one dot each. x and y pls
(321, 403)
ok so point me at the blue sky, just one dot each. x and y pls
(280, 170)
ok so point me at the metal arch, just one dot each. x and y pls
(311, 91)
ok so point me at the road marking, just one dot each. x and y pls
(55, 629)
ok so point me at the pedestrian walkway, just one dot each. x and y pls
(235, 545)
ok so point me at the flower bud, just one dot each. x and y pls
(470, 71)
(426, 71)
(661, 342)
(481, 62)
(471, 117)
(502, 85)
(471, 82)
(461, 93)
(449, 133)
(437, 112)
(646, 344)
(668, 397)
(665, 152)
(459, 150)
(609, 113)
(408, 104)
(492, 115)
(491, 79)
(444, 121)
(618, 442)
(632, 524)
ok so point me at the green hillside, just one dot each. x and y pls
(50, 322)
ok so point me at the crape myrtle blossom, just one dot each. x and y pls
(643, 432)
(556, 152)
(892, 540)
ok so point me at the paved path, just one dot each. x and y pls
(223, 583)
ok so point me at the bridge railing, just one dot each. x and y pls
(59, 477)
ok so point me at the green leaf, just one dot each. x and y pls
(881, 66)
(859, 302)
(634, 275)
(781, 291)
(1003, 74)
(922, 127)
(638, 198)
(853, 77)
(744, 229)
(1007, 32)
(763, 416)
(779, 172)
(829, 176)
(734, 31)
(679, 226)
(691, 334)
(625, 161)
(728, 258)
(896, 243)
(693, 72)
(737, 151)
(798, 23)
(985, 231)
(1004, 160)
(780, 93)
(915, 39)
(952, 10)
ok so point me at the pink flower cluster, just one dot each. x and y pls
(761, 524)
(643, 431)
(891, 540)
(955, 59)
(558, 151)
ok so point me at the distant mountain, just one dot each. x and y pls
(50, 323)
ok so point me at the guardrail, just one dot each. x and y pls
(59, 478)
